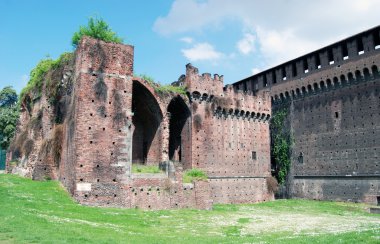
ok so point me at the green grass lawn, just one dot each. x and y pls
(43, 212)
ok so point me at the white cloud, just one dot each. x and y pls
(247, 44)
(283, 29)
(280, 46)
(202, 52)
(255, 71)
(187, 40)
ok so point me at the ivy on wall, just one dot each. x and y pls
(281, 140)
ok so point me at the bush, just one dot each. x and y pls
(33, 89)
(98, 29)
(36, 79)
(163, 89)
(141, 168)
(194, 175)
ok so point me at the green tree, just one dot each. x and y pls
(96, 28)
(281, 144)
(8, 97)
(9, 114)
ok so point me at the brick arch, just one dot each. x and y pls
(366, 73)
(309, 88)
(358, 75)
(322, 85)
(146, 85)
(147, 117)
(375, 71)
(350, 77)
(179, 131)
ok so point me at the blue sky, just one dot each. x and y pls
(234, 38)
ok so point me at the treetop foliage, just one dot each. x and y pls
(96, 28)
(8, 97)
(9, 113)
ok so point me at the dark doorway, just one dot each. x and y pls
(179, 129)
(146, 141)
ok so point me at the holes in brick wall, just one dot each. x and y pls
(80, 179)
(111, 153)
(92, 100)
(114, 180)
(96, 196)
(97, 166)
(114, 195)
(104, 129)
(113, 143)
(90, 114)
(97, 180)
(85, 195)
(81, 165)
(254, 155)
(89, 128)
(90, 142)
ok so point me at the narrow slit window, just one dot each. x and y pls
(300, 158)
(336, 115)
(254, 155)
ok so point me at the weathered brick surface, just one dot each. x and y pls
(114, 119)
(334, 106)
(230, 138)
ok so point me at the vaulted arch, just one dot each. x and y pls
(179, 131)
(146, 120)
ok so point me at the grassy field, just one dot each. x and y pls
(42, 212)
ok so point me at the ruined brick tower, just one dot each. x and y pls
(113, 119)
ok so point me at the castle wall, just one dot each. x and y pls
(230, 140)
(337, 133)
(332, 96)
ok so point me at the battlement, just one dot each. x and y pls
(329, 58)
(202, 83)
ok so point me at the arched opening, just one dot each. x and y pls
(196, 95)
(316, 88)
(293, 94)
(322, 85)
(366, 74)
(336, 81)
(204, 97)
(375, 71)
(328, 83)
(298, 92)
(147, 117)
(179, 130)
(309, 89)
(236, 113)
(303, 89)
(358, 75)
(350, 77)
(343, 80)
